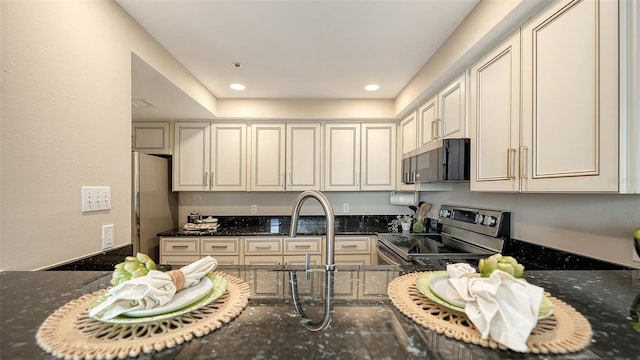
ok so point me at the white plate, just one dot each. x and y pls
(443, 289)
(180, 299)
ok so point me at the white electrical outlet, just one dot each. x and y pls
(96, 198)
(254, 209)
(108, 236)
(345, 208)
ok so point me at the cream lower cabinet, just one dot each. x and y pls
(180, 251)
(353, 250)
(360, 157)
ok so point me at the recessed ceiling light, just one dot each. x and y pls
(236, 65)
(372, 87)
(237, 87)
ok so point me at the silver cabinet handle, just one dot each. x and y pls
(511, 163)
(263, 247)
(524, 152)
(219, 246)
(179, 246)
(348, 246)
(298, 246)
(206, 179)
(212, 178)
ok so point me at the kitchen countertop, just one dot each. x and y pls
(279, 226)
(365, 324)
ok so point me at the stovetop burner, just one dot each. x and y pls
(466, 233)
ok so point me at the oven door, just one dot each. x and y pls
(386, 256)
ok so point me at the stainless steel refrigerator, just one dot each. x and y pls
(154, 206)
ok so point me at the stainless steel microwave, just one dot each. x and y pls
(447, 160)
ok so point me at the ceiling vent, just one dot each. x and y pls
(142, 104)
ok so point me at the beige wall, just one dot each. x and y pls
(66, 117)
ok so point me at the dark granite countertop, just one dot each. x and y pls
(279, 226)
(365, 324)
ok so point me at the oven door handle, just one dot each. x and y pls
(386, 258)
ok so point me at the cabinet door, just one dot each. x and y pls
(303, 156)
(267, 157)
(191, 157)
(378, 156)
(342, 157)
(428, 115)
(151, 137)
(229, 157)
(451, 108)
(408, 131)
(494, 118)
(570, 98)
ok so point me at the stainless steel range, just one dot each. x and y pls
(466, 235)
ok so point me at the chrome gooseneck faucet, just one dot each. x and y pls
(330, 222)
(330, 265)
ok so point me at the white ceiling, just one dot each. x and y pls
(299, 48)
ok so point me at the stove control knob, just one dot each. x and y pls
(490, 220)
(479, 219)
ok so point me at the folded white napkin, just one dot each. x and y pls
(500, 306)
(153, 290)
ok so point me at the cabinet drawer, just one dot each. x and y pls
(224, 246)
(302, 245)
(227, 260)
(350, 245)
(181, 246)
(263, 246)
(178, 260)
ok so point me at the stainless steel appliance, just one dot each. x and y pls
(467, 234)
(446, 160)
(154, 206)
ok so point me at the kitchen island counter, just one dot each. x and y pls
(365, 324)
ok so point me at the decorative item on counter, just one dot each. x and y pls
(205, 226)
(153, 290)
(133, 267)
(400, 222)
(500, 307)
(194, 217)
(507, 264)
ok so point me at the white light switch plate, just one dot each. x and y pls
(96, 198)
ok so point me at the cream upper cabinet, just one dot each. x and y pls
(570, 98)
(151, 137)
(494, 118)
(267, 157)
(303, 156)
(451, 110)
(428, 115)
(408, 133)
(228, 156)
(209, 157)
(444, 116)
(285, 157)
(378, 162)
(344, 145)
(342, 157)
(191, 156)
